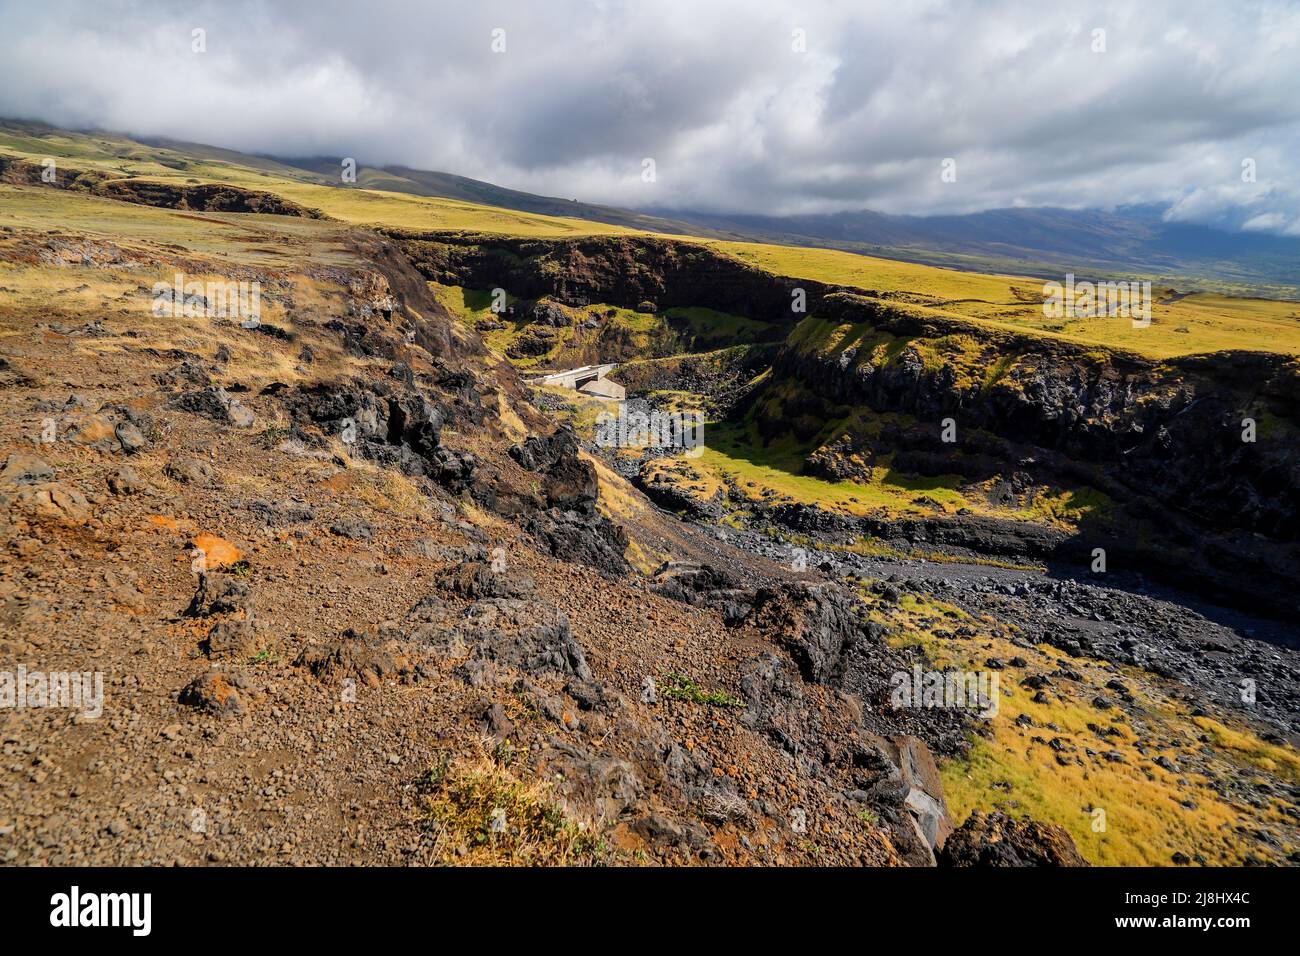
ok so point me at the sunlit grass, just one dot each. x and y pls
(1201, 322)
(1146, 817)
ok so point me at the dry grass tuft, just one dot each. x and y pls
(485, 815)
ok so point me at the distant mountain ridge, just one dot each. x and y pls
(420, 182)
(1042, 241)
(1045, 241)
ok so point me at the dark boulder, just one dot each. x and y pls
(995, 839)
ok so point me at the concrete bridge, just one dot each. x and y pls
(589, 380)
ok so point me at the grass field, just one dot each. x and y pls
(69, 257)
(240, 237)
(352, 204)
(1147, 813)
(774, 473)
(1202, 322)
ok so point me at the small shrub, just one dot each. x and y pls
(680, 687)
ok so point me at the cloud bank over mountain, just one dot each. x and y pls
(802, 108)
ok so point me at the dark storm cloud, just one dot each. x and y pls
(717, 93)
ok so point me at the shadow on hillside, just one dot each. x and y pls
(1150, 550)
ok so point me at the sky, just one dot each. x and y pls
(763, 107)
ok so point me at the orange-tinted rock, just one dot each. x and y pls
(217, 551)
(95, 431)
(163, 521)
(214, 692)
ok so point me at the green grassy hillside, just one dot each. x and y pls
(1180, 325)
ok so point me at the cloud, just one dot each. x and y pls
(1035, 105)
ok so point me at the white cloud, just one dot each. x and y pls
(736, 119)
(1265, 222)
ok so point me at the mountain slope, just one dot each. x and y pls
(1128, 242)
(418, 182)
(357, 599)
(166, 173)
(1131, 241)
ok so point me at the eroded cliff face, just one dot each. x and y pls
(387, 513)
(1200, 453)
(622, 271)
(1172, 430)
(199, 197)
(403, 565)
(1169, 442)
